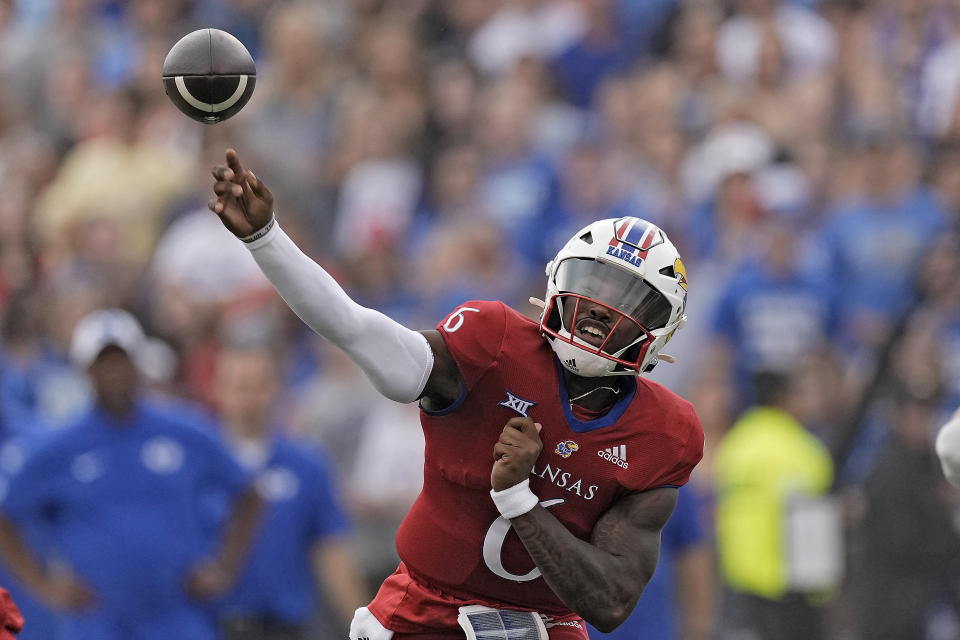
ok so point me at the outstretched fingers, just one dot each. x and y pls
(258, 188)
(242, 201)
(233, 163)
(224, 188)
(222, 172)
(248, 183)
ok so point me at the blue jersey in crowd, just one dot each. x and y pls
(872, 251)
(772, 320)
(517, 193)
(126, 506)
(40, 622)
(302, 509)
(656, 614)
(39, 393)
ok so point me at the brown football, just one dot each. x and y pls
(209, 75)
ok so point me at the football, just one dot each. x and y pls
(209, 75)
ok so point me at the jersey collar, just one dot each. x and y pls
(616, 411)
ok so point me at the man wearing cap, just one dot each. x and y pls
(134, 546)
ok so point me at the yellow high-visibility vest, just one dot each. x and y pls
(765, 458)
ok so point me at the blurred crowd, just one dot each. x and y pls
(803, 155)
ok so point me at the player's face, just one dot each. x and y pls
(633, 303)
(599, 325)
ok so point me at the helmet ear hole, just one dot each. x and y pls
(553, 321)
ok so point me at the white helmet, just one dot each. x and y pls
(616, 293)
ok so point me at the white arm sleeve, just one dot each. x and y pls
(948, 449)
(397, 360)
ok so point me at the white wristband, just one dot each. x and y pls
(261, 232)
(516, 500)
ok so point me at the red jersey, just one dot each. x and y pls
(453, 538)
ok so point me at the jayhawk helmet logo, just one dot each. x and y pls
(681, 272)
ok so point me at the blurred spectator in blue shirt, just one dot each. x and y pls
(518, 186)
(771, 314)
(42, 621)
(303, 540)
(872, 245)
(588, 192)
(720, 178)
(678, 600)
(127, 28)
(39, 390)
(123, 492)
(242, 18)
(39, 393)
(605, 48)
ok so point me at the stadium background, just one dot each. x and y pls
(801, 155)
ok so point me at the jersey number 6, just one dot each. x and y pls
(455, 320)
(493, 547)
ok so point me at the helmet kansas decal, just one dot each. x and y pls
(632, 239)
(681, 271)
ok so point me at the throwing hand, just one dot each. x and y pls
(243, 202)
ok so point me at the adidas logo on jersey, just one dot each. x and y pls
(572, 363)
(616, 455)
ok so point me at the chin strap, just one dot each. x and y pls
(614, 390)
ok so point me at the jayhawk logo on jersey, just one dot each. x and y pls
(567, 448)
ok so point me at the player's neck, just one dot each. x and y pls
(593, 394)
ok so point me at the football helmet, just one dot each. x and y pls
(616, 293)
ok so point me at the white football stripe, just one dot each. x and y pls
(206, 106)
